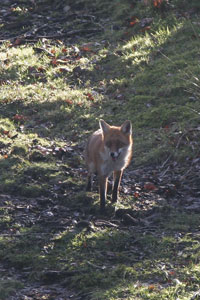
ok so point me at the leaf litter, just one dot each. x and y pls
(153, 192)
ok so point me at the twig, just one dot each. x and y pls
(33, 38)
(177, 146)
(179, 140)
(105, 223)
(164, 172)
(70, 33)
(95, 266)
(18, 235)
(166, 161)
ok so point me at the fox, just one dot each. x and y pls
(108, 150)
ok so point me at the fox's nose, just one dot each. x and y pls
(112, 154)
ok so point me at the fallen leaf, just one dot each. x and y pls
(6, 132)
(133, 21)
(150, 187)
(90, 97)
(17, 42)
(64, 70)
(19, 118)
(157, 3)
(69, 101)
(54, 62)
(172, 273)
(166, 127)
(41, 69)
(136, 195)
(86, 49)
(147, 28)
(64, 50)
(151, 287)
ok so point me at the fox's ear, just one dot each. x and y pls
(126, 127)
(104, 126)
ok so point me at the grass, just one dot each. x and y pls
(52, 94)
(7, 287)
(110, 264)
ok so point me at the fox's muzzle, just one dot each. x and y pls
(114, 155)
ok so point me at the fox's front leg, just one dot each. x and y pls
(89, 182)
(103, 191)
(117, 175)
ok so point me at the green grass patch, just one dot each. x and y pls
(9, 287)
(114, 264)
(142, 64)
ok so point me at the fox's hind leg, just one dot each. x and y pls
(91, 171)
(89, 182)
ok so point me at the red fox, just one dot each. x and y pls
(109, 150)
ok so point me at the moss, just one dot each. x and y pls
(9, 287)
(52, 95)
(19, 150)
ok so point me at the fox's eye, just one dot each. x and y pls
(108, 144)
(120, 144)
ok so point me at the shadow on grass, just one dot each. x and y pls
(93, 259)
(106, 259)
(135, 92)
(70, 123)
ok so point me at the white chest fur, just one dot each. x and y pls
(109, 165)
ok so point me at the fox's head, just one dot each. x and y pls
(117, 140)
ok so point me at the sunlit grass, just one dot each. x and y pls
(52, 95)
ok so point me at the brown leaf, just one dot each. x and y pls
(133, 21)
(17, 42)
(136, 195)
(157, 3)
(69, 101)
(150, 187)
(6, 132)
(151, 287)
(90, 97)
(54, 62)
(147, 28)
(64, 50)
(19, 118)
(86, 49)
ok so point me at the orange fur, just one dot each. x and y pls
(109, 150)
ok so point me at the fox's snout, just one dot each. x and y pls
(114, 155)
